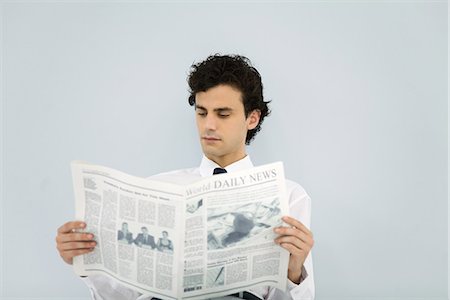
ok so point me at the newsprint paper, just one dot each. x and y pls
(207, 239)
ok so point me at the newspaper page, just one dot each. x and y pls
(136, 224)
(229, 241)
(207, 239)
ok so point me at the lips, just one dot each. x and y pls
(210, 138)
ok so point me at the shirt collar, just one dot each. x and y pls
(207, 166)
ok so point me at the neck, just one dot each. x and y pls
(224, 161)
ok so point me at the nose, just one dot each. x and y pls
(210, 122)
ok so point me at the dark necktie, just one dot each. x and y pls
(219, 171)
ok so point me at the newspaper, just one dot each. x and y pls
(207, 239)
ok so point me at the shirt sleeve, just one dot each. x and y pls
(305, 290)
(102, 287)
(300, 209)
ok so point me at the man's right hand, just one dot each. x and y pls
(71, 243)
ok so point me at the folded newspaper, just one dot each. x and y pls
(207, 239)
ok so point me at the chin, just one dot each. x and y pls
(210, 153)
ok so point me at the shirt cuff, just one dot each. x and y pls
(303, 290)
(291, 285)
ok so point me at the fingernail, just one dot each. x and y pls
(90, 236)
(93, 244)
(82, 225)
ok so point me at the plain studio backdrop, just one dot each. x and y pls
(359, 101)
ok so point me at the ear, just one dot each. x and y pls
(253, 119)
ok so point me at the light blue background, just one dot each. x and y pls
(359, 117)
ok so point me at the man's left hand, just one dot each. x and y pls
(298, 240)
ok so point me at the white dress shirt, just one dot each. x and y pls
(103, 287)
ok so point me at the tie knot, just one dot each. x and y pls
(219, 171)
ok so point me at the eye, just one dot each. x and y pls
(224, 115)
(201, 113)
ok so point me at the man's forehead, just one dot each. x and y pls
(214, 108)
(214, 101)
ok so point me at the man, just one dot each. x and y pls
(124, 235)
(145, 239)
(227, 94)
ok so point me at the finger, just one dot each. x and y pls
(299, 245)
(287, 231)
(295, 223)
(291, 240)
(76, 246)
(72, 253)
(72, 237)
(70, 226)
(295, 241)
(292, 249)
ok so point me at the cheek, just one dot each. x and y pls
(198, 122)
(239, 131)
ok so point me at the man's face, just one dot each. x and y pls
(124, 227)
(222, 124)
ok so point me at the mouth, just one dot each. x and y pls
(210, 139)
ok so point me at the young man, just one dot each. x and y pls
(227, 94)
(145, 239)
(124, 235)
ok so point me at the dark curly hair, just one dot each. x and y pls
(236, 71)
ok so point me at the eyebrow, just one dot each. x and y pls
(219, 109)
